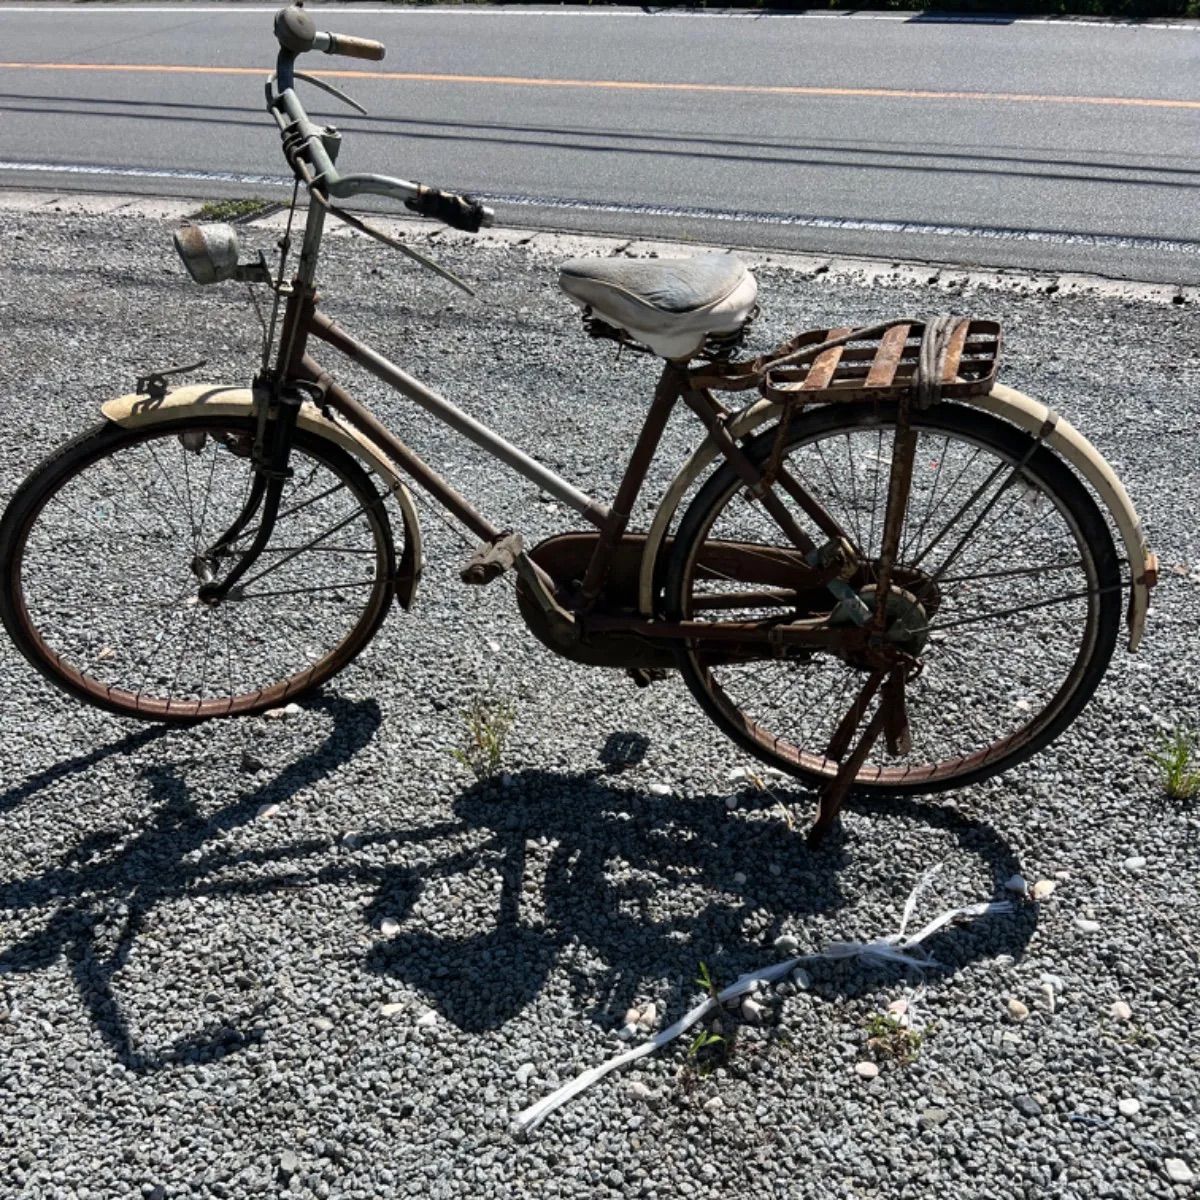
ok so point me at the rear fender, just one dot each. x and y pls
(1005, 402)
(211, 400)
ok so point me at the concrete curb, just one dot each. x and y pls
(944, 277)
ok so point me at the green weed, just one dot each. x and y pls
(232, 209)
(888, 1038)
(1176, 758)
(707, 1051)
(488, 723)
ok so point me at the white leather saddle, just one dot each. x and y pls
(669, 304)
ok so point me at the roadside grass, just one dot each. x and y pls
(233, 209)
(1176, 757)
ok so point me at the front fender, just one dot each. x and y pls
(213, 400)
(1028, 414)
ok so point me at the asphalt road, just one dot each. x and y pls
(1067, 146)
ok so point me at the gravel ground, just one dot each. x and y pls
(341, 974)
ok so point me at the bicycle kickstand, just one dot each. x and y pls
(833, 795)
(891, 715)
(890, 721)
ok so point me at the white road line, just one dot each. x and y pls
(675, 212)
(870, 225)
(45, 168)
(915, 18)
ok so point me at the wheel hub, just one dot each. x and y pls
(906, 619)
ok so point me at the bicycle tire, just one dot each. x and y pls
(952, 421)
(70, 461)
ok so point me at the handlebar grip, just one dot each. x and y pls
(461, 212)
(355, 47)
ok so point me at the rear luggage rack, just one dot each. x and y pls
(883, 366)
(883, 362)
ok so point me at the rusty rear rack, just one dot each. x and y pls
(884, 366)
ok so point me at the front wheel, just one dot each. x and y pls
(1007, 583)
(104, 550)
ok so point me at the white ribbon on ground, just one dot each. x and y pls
(895, 948)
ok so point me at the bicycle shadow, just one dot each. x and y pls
(634, 889)
(614, 855)
(108, 879)
(11, 797)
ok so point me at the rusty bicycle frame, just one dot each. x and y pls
(580, 617)
(586, 594)
(676, 384)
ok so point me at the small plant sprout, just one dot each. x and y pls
(708, 1051)
(889, 1037)
(488, 723)
(705, 1041)
(1177, 757)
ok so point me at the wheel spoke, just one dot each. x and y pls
(991, 576)
(119, 614)
(1041, 569)
(962, 511)
(291, 555)
(976, 618)
(306, 591)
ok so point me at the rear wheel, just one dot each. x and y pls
(104, 549)
(1007, 580)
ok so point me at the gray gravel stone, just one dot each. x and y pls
(1017, 1009)
(213, 984)
(1178, 1171)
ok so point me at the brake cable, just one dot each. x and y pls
(294, 142)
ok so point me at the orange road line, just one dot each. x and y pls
(624, 85)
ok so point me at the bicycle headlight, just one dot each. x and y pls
(210, 252)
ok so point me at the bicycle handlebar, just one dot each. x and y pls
(297, 34)
(461, 212)
(353, 47)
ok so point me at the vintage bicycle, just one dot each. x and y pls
(887, 572)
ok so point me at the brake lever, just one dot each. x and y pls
(328, 87)
(273, 92)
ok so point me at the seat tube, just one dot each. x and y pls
(670, 387)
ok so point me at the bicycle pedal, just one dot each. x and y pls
(645, 676)
(492, 559)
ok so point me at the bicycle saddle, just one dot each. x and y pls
(669, 304)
